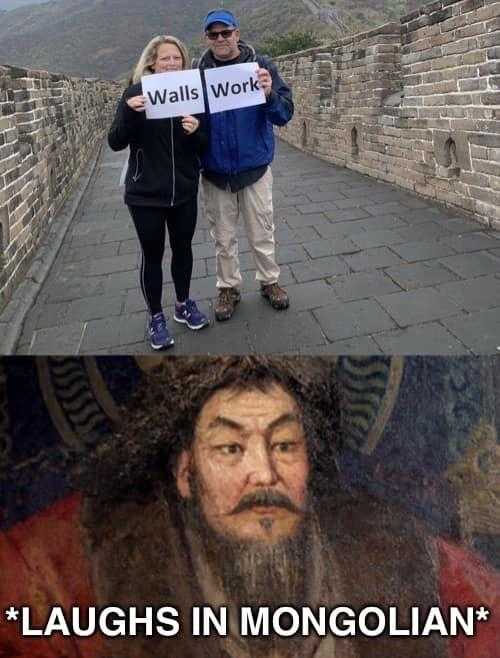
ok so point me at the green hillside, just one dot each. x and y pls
(103, 38)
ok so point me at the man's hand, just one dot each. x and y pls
(265, 81)
(137, 103)
(190, 124)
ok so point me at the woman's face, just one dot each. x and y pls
(168, 58)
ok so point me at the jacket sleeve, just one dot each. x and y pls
(279, 104)
(124, 126)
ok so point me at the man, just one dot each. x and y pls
(220, 488)
(237, 178)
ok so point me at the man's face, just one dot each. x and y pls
(249, 464)
(223, 41)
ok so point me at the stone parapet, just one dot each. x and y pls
(50, 126)
(415, 103)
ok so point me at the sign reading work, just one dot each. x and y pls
(173, 94)
(232, 87)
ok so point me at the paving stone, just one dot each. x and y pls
(299, 221)
(417, 251)
(112, 265)
(230, 337)
(109, 332)
(351, 319)
(65, 290)
(119, 280)
(346, 215)
(327, 195)
(316, 207)
(461, 225)
(128, 246)
(376, 238)
(419, 275)
(281, 334)
(320, 248)
(425, 232)
(372, 259)
(415, 306)
(475, 294)
(290, 254)
(93, 308)
(363, 285)
(92, 238)
(391, 207)
(361, 345)
(290, 200)
(320, 268)
(421, 215)
(472, 265)
(298, 235)
(312, 294)
(92, 252)
(472, 242)
(203, 288)
(479, 331)
(430, 338)
(58, 340)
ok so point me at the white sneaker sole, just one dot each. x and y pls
(157, 348)
(191, 326)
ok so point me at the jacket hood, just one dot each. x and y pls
(247, 54)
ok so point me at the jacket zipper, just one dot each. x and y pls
(136, 176)
(173, 160)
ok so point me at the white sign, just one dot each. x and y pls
(173, 94)
(234, 86)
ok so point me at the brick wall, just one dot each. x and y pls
(416, 103)
(50, 125)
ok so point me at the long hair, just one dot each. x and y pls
(148, 57)
(158, 422)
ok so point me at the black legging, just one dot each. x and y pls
(150, 226)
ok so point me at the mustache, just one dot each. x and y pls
(265, 498)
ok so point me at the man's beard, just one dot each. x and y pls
(254, 573)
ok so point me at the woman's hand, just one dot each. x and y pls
(190, 124)
(137, 103)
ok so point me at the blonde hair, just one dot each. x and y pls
(149, 54)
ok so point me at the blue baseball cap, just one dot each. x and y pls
(220, 16)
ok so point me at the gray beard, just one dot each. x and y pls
(255, 574)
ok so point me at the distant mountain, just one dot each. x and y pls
(104, 38)
(14, 4)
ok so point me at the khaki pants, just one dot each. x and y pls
(255, 204)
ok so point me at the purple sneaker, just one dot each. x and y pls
(159, 335)
(188, 313)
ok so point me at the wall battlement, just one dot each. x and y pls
(415, 103)
(50, 126)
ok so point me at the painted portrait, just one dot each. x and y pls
(257, 482)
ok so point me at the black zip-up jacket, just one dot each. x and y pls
(164, 163)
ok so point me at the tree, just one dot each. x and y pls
(290, 42)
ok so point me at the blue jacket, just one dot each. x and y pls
(242, 140)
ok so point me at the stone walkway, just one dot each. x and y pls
(369, 268)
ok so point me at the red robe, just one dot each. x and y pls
(43, 563)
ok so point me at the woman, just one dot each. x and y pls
(161, 187)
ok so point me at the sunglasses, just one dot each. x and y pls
(213, 36)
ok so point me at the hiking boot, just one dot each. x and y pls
(275, 295)
(226, 303)
(159, 334)
(188, 313)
